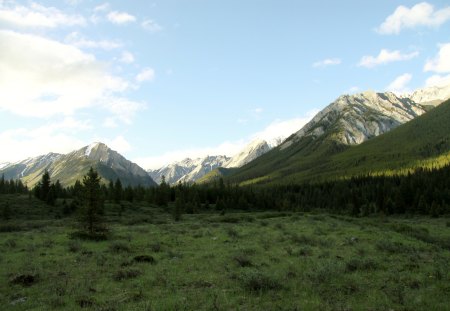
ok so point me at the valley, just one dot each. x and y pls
(207, 261)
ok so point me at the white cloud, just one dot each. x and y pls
(384, 57)
(119, 144)
(102, 7)
(37, 15)
(52, 137)
(327, 62)
(110, 122)
(441, 63)
(354, 89)
(45, 78)
(147, 74)
(73, 2)
(438, 80)
(120, 18)
(283, 128)
(422, 14)
(127, 57)
(79, 41)
(275, 130)
(400, 84)
(151, 26)
(122, 108)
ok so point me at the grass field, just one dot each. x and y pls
(237, 261)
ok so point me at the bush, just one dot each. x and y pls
(74, 246)
(242, 260)
(359, 264)
(119, 247)
(256, 281)
(125, 274)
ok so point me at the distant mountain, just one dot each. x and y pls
(73, 166)
(188, 170)
(348, 121)
(431, 96)
(252, 151)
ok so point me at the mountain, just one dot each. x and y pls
(252, 151)
(353, 119)
(431, 96)
(73, 166)
(348, 121)
(188, 170)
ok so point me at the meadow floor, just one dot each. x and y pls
(237, 261)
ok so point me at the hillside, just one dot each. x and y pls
(424, 141)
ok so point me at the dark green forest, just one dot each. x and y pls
(425, 191)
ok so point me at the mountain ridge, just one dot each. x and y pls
(67, 168)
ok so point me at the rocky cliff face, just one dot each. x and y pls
(252, 151)
(353, 119)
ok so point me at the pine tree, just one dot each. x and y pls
(45, 186)
(92, 205)
(118, 191)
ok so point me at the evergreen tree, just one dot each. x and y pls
(91, 211)
(45, 186)
(118, 191)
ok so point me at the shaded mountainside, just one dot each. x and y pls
(73, 166)
(422, 142)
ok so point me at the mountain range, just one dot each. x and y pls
(67, 168)
(330, 137)
(323, 147)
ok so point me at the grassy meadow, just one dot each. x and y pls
(209, 261)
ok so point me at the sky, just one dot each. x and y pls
(160, 81)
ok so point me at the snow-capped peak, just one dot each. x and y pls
(90, 148)
(5, 164)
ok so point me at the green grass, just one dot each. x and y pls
(238, 261)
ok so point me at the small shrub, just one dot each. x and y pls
(74, 246)
(359, 264)
(232, 233)
(155, 247)
(394, 247)
(263, 223)
(26, 280)
(119, 247)
(255, 281)
(125, 274)
(48, 243)
(11, 243)
(145, 258)
(305, 252)
(242, 260)
(324, 272)
(85, 302)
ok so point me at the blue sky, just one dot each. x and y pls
(162, 80)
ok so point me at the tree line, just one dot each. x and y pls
(425, 191)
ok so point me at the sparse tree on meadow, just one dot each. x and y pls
(91, 211)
